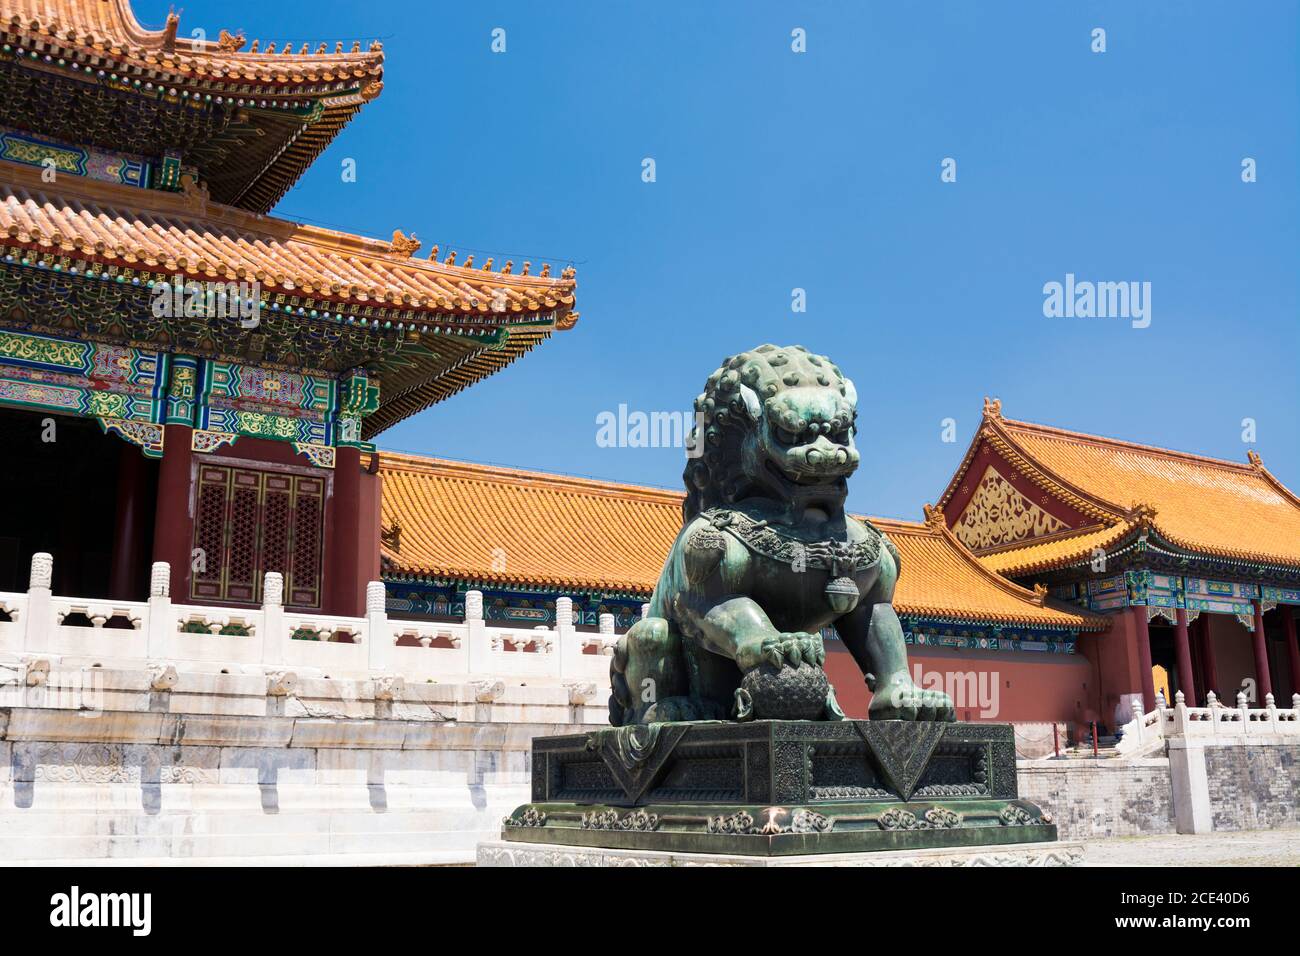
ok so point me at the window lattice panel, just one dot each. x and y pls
(248, 522)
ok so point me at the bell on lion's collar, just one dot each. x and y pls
(842, 594)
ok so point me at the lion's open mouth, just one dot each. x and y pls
(804, 481)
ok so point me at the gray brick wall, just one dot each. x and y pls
(1254, 787)
(1102, 798)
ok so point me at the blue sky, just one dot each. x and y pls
(821, 171)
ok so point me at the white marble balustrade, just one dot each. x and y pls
(1239, 724)
(117, 633)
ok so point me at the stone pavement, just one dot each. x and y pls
(1245, 848)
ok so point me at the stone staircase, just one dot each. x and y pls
(1106, 748)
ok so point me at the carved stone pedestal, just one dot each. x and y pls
(501, 853)
(778, 788)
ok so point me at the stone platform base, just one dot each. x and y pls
(144, 787)
(504, 853)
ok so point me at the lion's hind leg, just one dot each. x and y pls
(647, 674)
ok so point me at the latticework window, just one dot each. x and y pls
(248, 522)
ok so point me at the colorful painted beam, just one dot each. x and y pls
(134, 392)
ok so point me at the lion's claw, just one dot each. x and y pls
(900, 699)
(794, 649)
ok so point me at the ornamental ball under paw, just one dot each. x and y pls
(789, 693)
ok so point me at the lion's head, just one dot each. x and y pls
(778, 423)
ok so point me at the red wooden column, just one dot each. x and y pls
(1207, 654)
(173, 527)
(1262, 679)
(1143, 633)
(1183, 651)
(346, 586)
(1292, 648)
(127, 546)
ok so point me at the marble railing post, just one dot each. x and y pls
(645, 611)
(566, 636)
(39, 612)
(272, 632)
(161, 625)
(480, 652)
(378, 632)
(606, 625)
(564, 614)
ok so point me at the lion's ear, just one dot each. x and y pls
(850, 393)
(752, 405)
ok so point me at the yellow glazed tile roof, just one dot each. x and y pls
(108, 31)
(172, 234)
(1207, 505)
(282, 107)
(499, 525)
(463, 323)
(502, 525)
(1060, 550)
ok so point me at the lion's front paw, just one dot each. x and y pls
(792, 649)
(900, 699)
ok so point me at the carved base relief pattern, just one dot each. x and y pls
(493, 854)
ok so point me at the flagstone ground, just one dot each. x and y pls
(1219, 850)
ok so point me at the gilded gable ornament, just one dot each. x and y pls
(999, 514)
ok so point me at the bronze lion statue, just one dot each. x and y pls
(767, 558)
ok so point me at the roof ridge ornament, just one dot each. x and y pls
(403, 247)
(195, 192)
(934, 517)
(1143, 513)
(228, 42)
(1256, 462)
(169, 32)
(993, 408)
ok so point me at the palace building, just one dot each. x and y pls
(1195, 560)
(158, 432)
(524, 538)
(1060, 576)
(155, 423)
